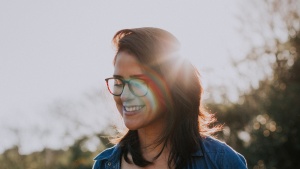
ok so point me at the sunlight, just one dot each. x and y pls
(245, 136)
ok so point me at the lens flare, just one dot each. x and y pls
(164, 76)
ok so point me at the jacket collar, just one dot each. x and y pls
(111, 154)
(198, 153)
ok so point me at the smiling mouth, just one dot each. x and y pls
(132, 108)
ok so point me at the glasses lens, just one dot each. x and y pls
(139, 87)
(115, 86)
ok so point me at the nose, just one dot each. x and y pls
(126, 94)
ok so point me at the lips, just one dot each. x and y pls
(132, 108)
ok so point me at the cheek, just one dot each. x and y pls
(155, 98)
(151, 101)
(157, 94)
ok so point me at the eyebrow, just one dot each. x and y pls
(132, 76)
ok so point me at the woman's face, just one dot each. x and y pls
(137, 112)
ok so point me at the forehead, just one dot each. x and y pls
(127, 65)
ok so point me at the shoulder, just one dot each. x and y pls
(222, 153)
(107, 153)
(108, 157)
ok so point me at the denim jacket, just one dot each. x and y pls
(212, 154)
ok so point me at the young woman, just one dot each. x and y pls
(158, 94)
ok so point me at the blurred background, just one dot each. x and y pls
(55, 111)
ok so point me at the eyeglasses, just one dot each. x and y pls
(138, 87)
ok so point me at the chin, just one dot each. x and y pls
(131, 126)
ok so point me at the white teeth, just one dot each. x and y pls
(132, 108)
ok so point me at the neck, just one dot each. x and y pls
(150, 142)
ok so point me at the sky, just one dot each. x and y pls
(54, 56)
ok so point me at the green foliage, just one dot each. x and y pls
(76, 157)
(11, 159)
(269, 114)
(276, 141)
(265, 124)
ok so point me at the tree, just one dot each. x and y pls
(278, 128)
(269, 113)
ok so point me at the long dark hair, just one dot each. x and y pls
(157, 50)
